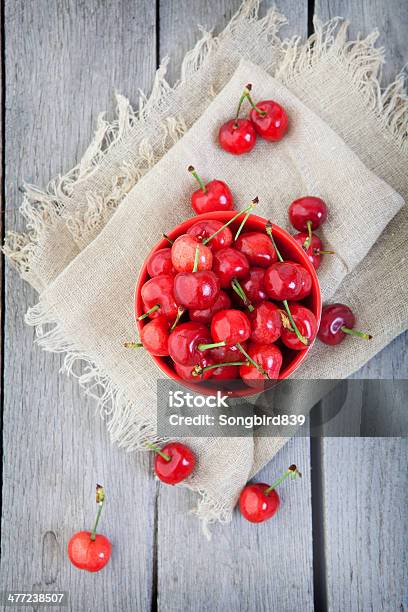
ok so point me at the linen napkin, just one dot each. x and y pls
(89, 301)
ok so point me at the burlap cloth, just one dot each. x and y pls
(89, 232)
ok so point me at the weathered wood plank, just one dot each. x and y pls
(244, 567)
(63, 60)
(365, 534)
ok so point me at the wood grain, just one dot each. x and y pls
(63, 60)
(364, 507)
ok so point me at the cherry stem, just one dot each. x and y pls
(254, 106)
(133, 345)
(196, 259)
(354, 332)
(247, 209)
(308, 240)
(244, 220)
(256, 365)
(268, 228)
(168, 239)
(292, 472)
(100, 499)
(146, 314)
(320, 252)
(243, 97)
(180, 312)
(199, 370)
(157, 450)
(239, 291)
(205, 347)
(197, 177)
(295, 329)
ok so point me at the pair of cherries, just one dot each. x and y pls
(267, 119)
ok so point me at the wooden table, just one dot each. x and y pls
(340, 542)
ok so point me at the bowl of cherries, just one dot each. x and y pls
(227, 300)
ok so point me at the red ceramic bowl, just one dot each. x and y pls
(289, 249)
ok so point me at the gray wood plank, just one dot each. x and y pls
(365, 534)
(244, 567)
(63, 60)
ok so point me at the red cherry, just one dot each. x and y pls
(178, 465)
(205, 315)
(215, 195)
(230, 326)
(266, 323)
(159, 262)
(159, 291)
(257, 506)
(270, 120)
(206, 228)
(186, 372)
(184, 341)
(313, 250)
(306, 212)
(259, 502)
(155, 336)
(253, 287)
(257, 248)
(237, 136)
(283, 281)
(306, 324)
(268, 357)
(196, 289)
(87, 554)
(183, 254)
(306, 285)
(338, 321)
(228, 264)
(88, 550)
(223, 354)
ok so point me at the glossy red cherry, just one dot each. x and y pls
(155, 335)
(205, 315)
(183, 254)
(314, 248)
(270, 120)
(228, 264)
(159, 262)
(266, 323)
(196, 289)
(306, 324)
(215, 195)
(237, 136)
(158, 292)
(184, 341)
(87, 554)
(259, 502)
(269, 359)
(174, 463)
(283, 281)
(257, 506)
(189, 373)
(225, 372)
(88, 550)
(257, 248)
(336, 323)
(230, 326)
(206, 228)
(307, 212)
(253, 287)
(306, 285)
(222, 354)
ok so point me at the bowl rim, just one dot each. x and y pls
(224, 216)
